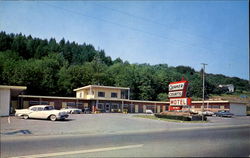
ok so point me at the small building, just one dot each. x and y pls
(104, 98)
(100, 92)
(9, 98)
(228, 87)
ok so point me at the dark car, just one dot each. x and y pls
(86, 111)
(223, 113)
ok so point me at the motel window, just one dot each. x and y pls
(113, 95)
(71, 103)
(79, 103)
(100, 106)
(44, 102)
(34, 102)
(197, 106)
(124, 94)
(38, 102)
(80, 95)
(216, 106)
(101, 94)
(115, 106)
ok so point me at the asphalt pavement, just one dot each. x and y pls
(123, 135)
(102, 124)
(209, 142)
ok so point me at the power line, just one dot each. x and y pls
(127, 27)
(161, 24)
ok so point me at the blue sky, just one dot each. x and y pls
(155, 32)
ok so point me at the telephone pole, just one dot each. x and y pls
(203, 91)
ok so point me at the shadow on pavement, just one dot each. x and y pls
(17, 132)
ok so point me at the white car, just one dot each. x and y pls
(41, 112)
(206, 113)
(71, 110)
(149, 112)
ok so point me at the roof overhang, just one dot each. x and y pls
(13, 87)
(96, 86)
(14, 90)
(48, 97)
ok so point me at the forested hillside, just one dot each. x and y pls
(47, 67)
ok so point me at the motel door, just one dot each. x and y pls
(107, 108)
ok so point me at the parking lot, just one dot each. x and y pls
(105, 123)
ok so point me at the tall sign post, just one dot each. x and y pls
(177, 94)
(203, 91)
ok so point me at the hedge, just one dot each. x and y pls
(183, 118)
(175, 117)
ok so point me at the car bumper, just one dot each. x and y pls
(62, 117)
(227, 115)
(18, 115)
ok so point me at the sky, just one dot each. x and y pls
(155, 32)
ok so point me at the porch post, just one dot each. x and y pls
(122, 106)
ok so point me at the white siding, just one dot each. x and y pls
(238, 109)
(4, 102)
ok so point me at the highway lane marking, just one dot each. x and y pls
(80, 151)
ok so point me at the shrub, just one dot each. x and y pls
(175, 117)
(182, 118)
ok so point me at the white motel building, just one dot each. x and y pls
(102, 99)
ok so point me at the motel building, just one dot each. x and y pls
(104, 99)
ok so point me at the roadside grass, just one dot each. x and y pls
(153, 117)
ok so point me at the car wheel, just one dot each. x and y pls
(25, 117)
(52, 117)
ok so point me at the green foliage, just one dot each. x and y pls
(181, 117)
(162, 97)
(56, 68)
(174, 117)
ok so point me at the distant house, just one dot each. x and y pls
(229, 87)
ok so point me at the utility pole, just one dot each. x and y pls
(203, 93)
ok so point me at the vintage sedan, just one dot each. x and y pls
(72, 110)
(41, 112)
(223, 113)
(206, 113)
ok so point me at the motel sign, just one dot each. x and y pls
(177, 94)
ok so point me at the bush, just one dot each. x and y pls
(182, 118)
(175, 117)
(198, 118)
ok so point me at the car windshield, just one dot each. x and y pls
(49, 108)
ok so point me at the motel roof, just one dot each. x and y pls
(47, 97)
(97, 86)
(13, 87)
(127, 100)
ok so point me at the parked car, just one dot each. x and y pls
(86, 111)
(193, 111)
(72, 110)
(206, 113)
(223, 113)
(41, 112)
(149, 112)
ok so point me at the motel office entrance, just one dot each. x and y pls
(108, 107)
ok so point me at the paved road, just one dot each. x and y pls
(102, 124)
(210, 141)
